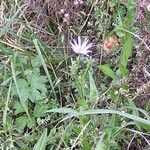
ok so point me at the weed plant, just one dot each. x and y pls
(54, 97)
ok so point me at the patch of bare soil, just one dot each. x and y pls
(140, 73)
(140, 67)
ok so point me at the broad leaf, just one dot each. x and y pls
(21, 122)
(122, 71)
(18, 108)
(39, 109)
(107, 71)
(37, 86)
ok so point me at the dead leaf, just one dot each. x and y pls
(110, 43)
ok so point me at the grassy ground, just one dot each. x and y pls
(52, 98)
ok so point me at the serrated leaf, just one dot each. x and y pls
(34, 88)
(39, 109)
(21, 122)
(37, 86)
(31, 123)
(24, 93)
(107, 71)
(36, 63)
(35, 95)
(23, 88)
(18, 108)
(37, 82)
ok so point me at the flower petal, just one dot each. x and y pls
(75, 42)
(79, 41)
(80, 47)
(88, 46)
(75, 49)
(84, 43)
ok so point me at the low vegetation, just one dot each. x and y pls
(74, 74)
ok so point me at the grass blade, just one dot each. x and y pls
(99, 111)
(36, 43)
(7, 25)
(93, 89)
(6, 105)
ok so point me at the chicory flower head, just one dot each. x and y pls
(81, 47)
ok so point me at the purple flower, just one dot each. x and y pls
(77, 2)
(80, 47)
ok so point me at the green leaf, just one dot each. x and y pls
(18, 108)
(135, 112)
(38, 46)
(6, 105)
(127, 50)
(24, 89)
(26, 148)
(17, 87)
(34, 88)
(145, 126)
(74, 113)
(107, 71)
(101, 145)
(41, 144)
(36, 62)
(86, 144)
(21, 122)
(35, 95)
(37, 86)
(93, 89)
(39, 109)
(122, 71)
(31, 123)
(24, 93)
